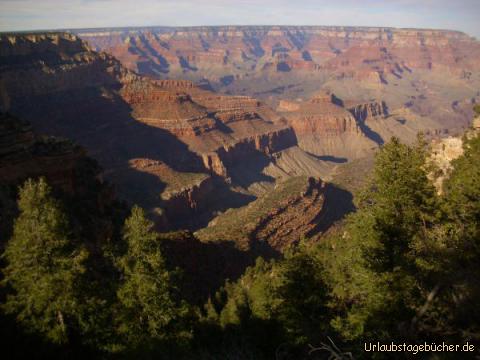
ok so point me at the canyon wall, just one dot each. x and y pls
(73, 177)
(430, 73)
(326, 129)
(232, 51)
(64, 88)
(24, 155)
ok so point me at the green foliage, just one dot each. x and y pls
(403, 267)
(462, 194)
(288, 298)
(459, 232)
(252, 296)
(148, 310)
(406, 263)
(373, 266)
(476, 109)
(302, 296)
(43, 266)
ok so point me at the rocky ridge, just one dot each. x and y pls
(73, 176)
(24, 155)
(274, 221)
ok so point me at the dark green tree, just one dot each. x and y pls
(378, 265)
(43, 267)
(149, 311)
(302, 297)
(459, 295)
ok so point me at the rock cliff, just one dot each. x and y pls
(25, 155)
(369, 111)
(424, 70)
(90, 202)
(349, 51)
(141, 130)
(325, 128)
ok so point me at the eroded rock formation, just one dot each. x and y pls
(73, 176)
(361, 52)
(368, 111)
(273, 222)
(324, 128)
(25, 155)
(141, 130)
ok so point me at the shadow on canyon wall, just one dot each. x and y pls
(101, 121)
(371, 134)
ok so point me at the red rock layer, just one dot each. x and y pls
(276, 220)
(361, 52)
(319, 116)
(67, 89)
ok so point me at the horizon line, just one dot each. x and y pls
(138, 27)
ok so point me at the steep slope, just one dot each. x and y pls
(25, 155)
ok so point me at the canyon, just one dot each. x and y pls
(216, 129)
(431, 74)
(181, 152)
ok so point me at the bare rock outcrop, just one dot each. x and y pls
(369, 111)
(25, 155)
(444, 151)
(73, 176)
(324, 128)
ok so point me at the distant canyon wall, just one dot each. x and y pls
(233, 52)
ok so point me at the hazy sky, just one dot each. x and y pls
(55, 14)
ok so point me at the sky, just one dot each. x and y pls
(463, 15)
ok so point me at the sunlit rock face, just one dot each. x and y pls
(362, 52)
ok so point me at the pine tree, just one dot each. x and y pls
(43, 267)
(378, 266)
(462, 195)
(456, 311)
(149, 311)
(302, 297)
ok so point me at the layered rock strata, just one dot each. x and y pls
(229, 52)
(65, 88)
(324, 128)
(274, 221)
